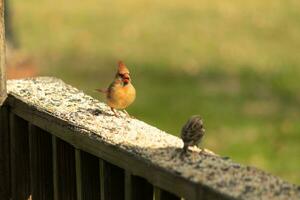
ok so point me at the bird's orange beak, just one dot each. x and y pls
(126, 78)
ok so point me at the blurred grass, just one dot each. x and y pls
(234, 62)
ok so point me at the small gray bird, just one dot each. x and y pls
(192, 132)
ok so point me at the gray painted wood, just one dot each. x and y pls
(40, 146)
(20, 170)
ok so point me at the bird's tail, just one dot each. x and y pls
(101, 90)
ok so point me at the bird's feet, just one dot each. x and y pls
(119, 115)
(184, 152)
(202, 151)
(127, 115)
(114, 111)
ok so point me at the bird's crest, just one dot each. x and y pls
(122, 69)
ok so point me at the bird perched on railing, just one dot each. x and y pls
(192, 132)
(120, 93)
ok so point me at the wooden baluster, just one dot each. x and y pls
(137, 188)
(111, 181)
(40, 147)
(90, 177)
(128, 185)
(78, 174)
(54, 166)
(160, 194)
(20, 171)
(66, 172)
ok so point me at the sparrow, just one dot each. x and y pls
(192, 132)
(120, 93)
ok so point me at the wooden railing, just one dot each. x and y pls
(58, 143)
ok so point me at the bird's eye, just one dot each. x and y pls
(123, 75)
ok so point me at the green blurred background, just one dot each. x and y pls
(234, 62)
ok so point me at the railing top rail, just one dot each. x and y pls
(136, 146)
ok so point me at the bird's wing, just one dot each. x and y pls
(192, 132)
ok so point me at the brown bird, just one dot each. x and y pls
(192, 132)
(120, 93)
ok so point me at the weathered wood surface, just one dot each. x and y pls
(2, 55)
(137, 147)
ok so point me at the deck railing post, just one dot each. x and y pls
(2, 55)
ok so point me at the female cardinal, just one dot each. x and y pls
(120, 93)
